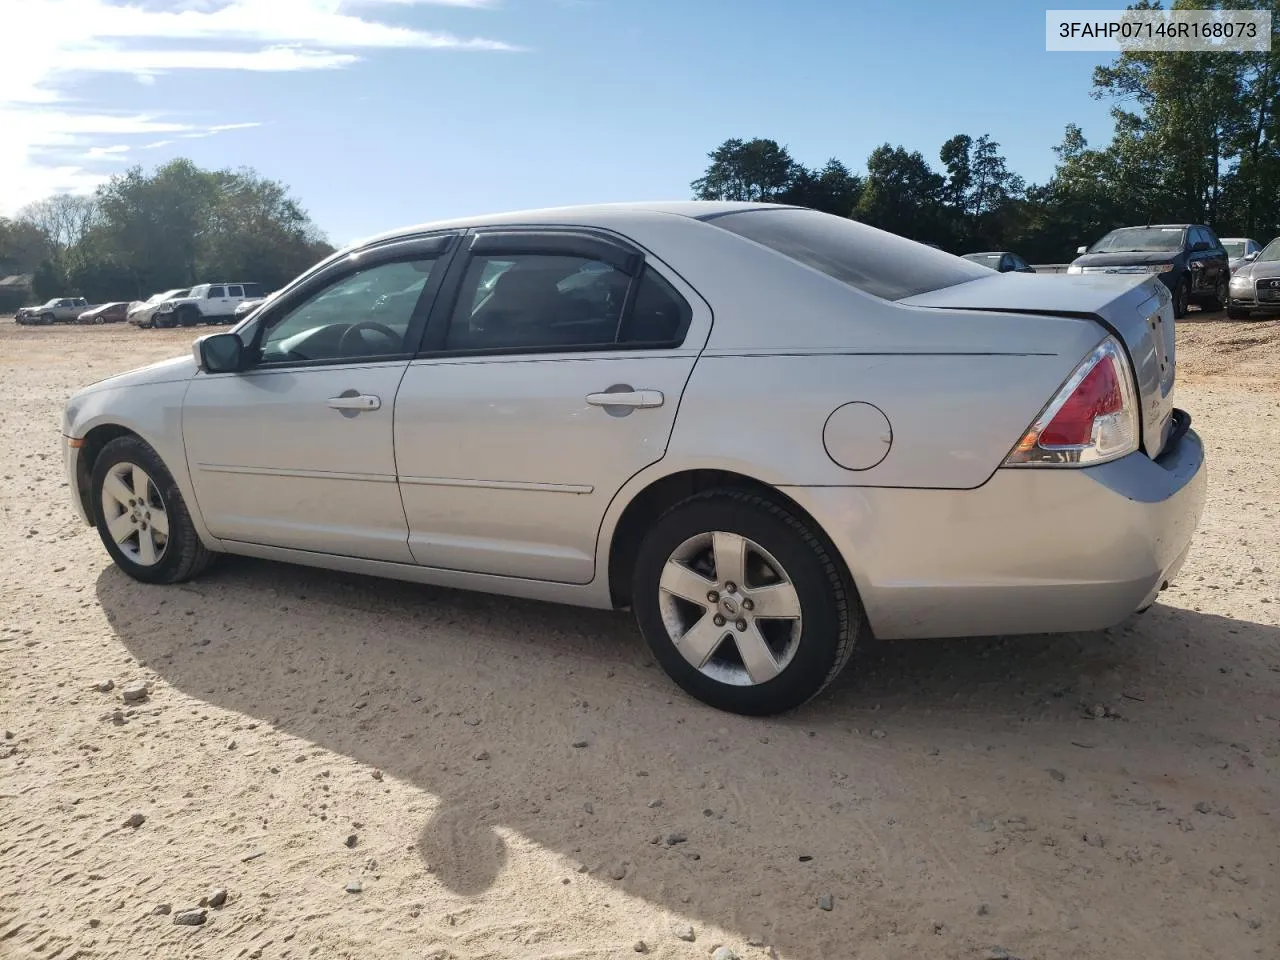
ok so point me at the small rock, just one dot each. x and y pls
(675, 837)
(162, 910)
(640, 947)
(377, 774)
(351, 841)
(938, 927)
(877, 734)
(1095, 840)
(759, 941)
(94, 923)
(218, 897)
(654, 804)
(135, 820)
(190, 918)
(105, 686)
(355, 886)
(805, 858)
(579, 744)
(618, 871)
(826, 902)
(983, 909)
(482, 755)
(1057, 775)
(1203, 807)
(135, 693)
(231, 744)
(588, 808)
(684, 932)
(724, 953)
(117, 717)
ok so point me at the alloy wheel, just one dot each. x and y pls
(135, 514)
(730, 608)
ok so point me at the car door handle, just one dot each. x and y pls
(361, 401)
(630, 398)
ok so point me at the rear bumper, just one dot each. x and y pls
(1031, 551)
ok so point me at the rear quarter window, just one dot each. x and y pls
(874, 261)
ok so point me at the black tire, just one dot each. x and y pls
(189, 316)
(184, 556)
(47, 319)
(1235, 313)
(830, 611)
(1181, 298)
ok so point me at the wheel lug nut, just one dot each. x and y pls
(741, 624)
(730, 587)
(718, 620)
(713, 597)
(748, 605)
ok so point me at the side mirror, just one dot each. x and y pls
(219, 353)
(1250, 257)
(1084, 249)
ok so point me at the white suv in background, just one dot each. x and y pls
(206, 303)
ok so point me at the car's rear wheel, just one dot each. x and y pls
(742, 603)
(141, 516)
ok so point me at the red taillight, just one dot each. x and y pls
(1098, 395)
(1093, 417)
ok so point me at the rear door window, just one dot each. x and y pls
(874, 261)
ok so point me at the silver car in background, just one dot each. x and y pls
(142, 313)
(1255, 286)
(759, 427)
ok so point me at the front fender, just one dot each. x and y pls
(152, 411)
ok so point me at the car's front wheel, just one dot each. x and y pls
(141, 516)
(742, 603)
(1181, 298)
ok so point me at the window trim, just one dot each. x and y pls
(546, 241)
(444, 246)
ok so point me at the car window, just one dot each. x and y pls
(1141, 240)
(252, 289)
(536, 301)
(1212, 238)
(659, 316)
(359, 316)
(216, 293)
(234, 292)
(874, 261)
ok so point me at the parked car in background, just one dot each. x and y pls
(945, 450)
(1002, 261)
(248, 305)
(142, 313)
(206, 303)
(1240, 250)
(57, 310)
(1255, 286)
(107, 313)
(1186, 256)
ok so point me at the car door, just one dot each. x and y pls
(1217, 262)
(235, 294)
(551, 374)
(215, 302)
(296, 451)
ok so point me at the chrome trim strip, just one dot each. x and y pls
(303, 474)
(499, 484)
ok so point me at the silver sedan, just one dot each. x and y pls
(761, 428)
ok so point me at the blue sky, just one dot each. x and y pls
(384, 112)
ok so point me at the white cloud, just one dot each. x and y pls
(53, 140)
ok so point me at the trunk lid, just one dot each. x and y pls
(1139, 314)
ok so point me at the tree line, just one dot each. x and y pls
(1197, 139)
(140, 233)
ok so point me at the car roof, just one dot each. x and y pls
(581, 215)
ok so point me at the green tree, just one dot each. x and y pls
(833, 189)
(902, 194)
(753, 170)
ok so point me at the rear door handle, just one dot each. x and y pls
(629, 398)
(361, 401)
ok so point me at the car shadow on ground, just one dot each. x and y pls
(464, 694)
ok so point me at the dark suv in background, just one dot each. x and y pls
(1187, 256)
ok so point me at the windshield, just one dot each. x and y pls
(991, 260)
(51, 303)
(1271, 251)
(1234, 248)
(874, 261)
(1140, 240)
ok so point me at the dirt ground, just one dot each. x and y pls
(505, 779)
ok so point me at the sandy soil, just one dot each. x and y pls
(505, 779)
